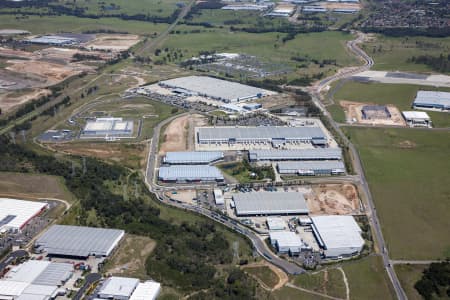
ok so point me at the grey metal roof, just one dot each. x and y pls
(310, 165)
(54, 274)
(190, 173)
(270, 203)
(215, 88)
(296, 154)
(79, 241)
(433, 98)
(199, 157)
(260, 133)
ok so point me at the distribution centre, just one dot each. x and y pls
(296, 154)
(189, 173)
(311, 168)
(192, 157)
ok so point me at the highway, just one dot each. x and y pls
(356, 160)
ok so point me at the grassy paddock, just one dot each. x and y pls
(408, 276)
(331, 283)
(265, 274)
(407, 170)
(401, 95)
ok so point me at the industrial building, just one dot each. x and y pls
(314, 9)
(213, 88)
(218, 197)
(34, 279)
(103, 127)
(189, 173)
(148, 290)
(338, 235)
(311, 168)
(432, 100)
(192, 157)
(417, 118)
(370, 112)
(118, 288)
(269, 203)
(275, 135)
(15, 214)
(78, 241)
(276, 223)
(286, 242)
(295, 154)
(54, 40)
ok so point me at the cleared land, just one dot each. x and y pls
(113, 42)
(408, 276)
(333, 199)
(289, 293)
(329, 282)
(400, 95)
(407, 170)
(368, 279)
(129, 259)
(33, 186)
(353, 111)
(392, 54)
(11, 100)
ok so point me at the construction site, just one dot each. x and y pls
(372, 114)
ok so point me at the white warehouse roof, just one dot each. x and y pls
(190, 173)
(118, 287)
(338, 234)
(440, 100)
(79, 241)
(415, 115)
(148, 290)
(216, 88)
(276, 223)
(270, 203)
(14, 214)
(296, 154)
(192, 157)
(286, 241)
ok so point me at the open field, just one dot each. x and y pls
(407, 170)
(52, 24)
(129, 259)
(392, 53)
(264, 274)
(329, 282)
(368, 280)
(400, 95)
(11, 100)
(331, 199)
(408, 276)
(32, 186)
(289, 293)
(353, 111)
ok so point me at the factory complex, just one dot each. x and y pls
(192, 157)
(214, 88)
(78, 242)
(295, 154)
(432, 100)
(125, 288)
(338, 235)
(35, 280)
(269, 203)
(15, 214)
(107, 127)
(190, 173)
(286, 242)
(311, 168)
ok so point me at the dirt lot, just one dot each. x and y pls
(113, 42)
(353, 114)
(31, 186)
(184, 196)
(10, 53)
(10, 100)
(130, 257)
(175, 136)
(130, 155)
(333, 199)
(275, 101)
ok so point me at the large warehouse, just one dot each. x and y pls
(417, 118)
(286, 242)
(275, 135)
(15, 214)
(102, 127)
(338, 235)
(296, 154)
(214, 88)
(192, 158)
(189, 173)
(432, 100)
(126, 288)
(311, 168)
(35, 280)
(77, 241)
(269, 203)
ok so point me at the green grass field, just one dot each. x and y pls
(53, 24)
(330, 283)
(408, 276)
(288, 293)
(401, 95)
(392, 54)
(265, 274)
(368, 280)
(407, 170)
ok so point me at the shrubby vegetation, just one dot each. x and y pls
(439, 63)
(435, 281)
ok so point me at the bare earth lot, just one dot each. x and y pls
(10, 100)
(333, 199)
(353, 112)
(113, 42)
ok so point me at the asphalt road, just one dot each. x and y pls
(90, 279)
(11, 257)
